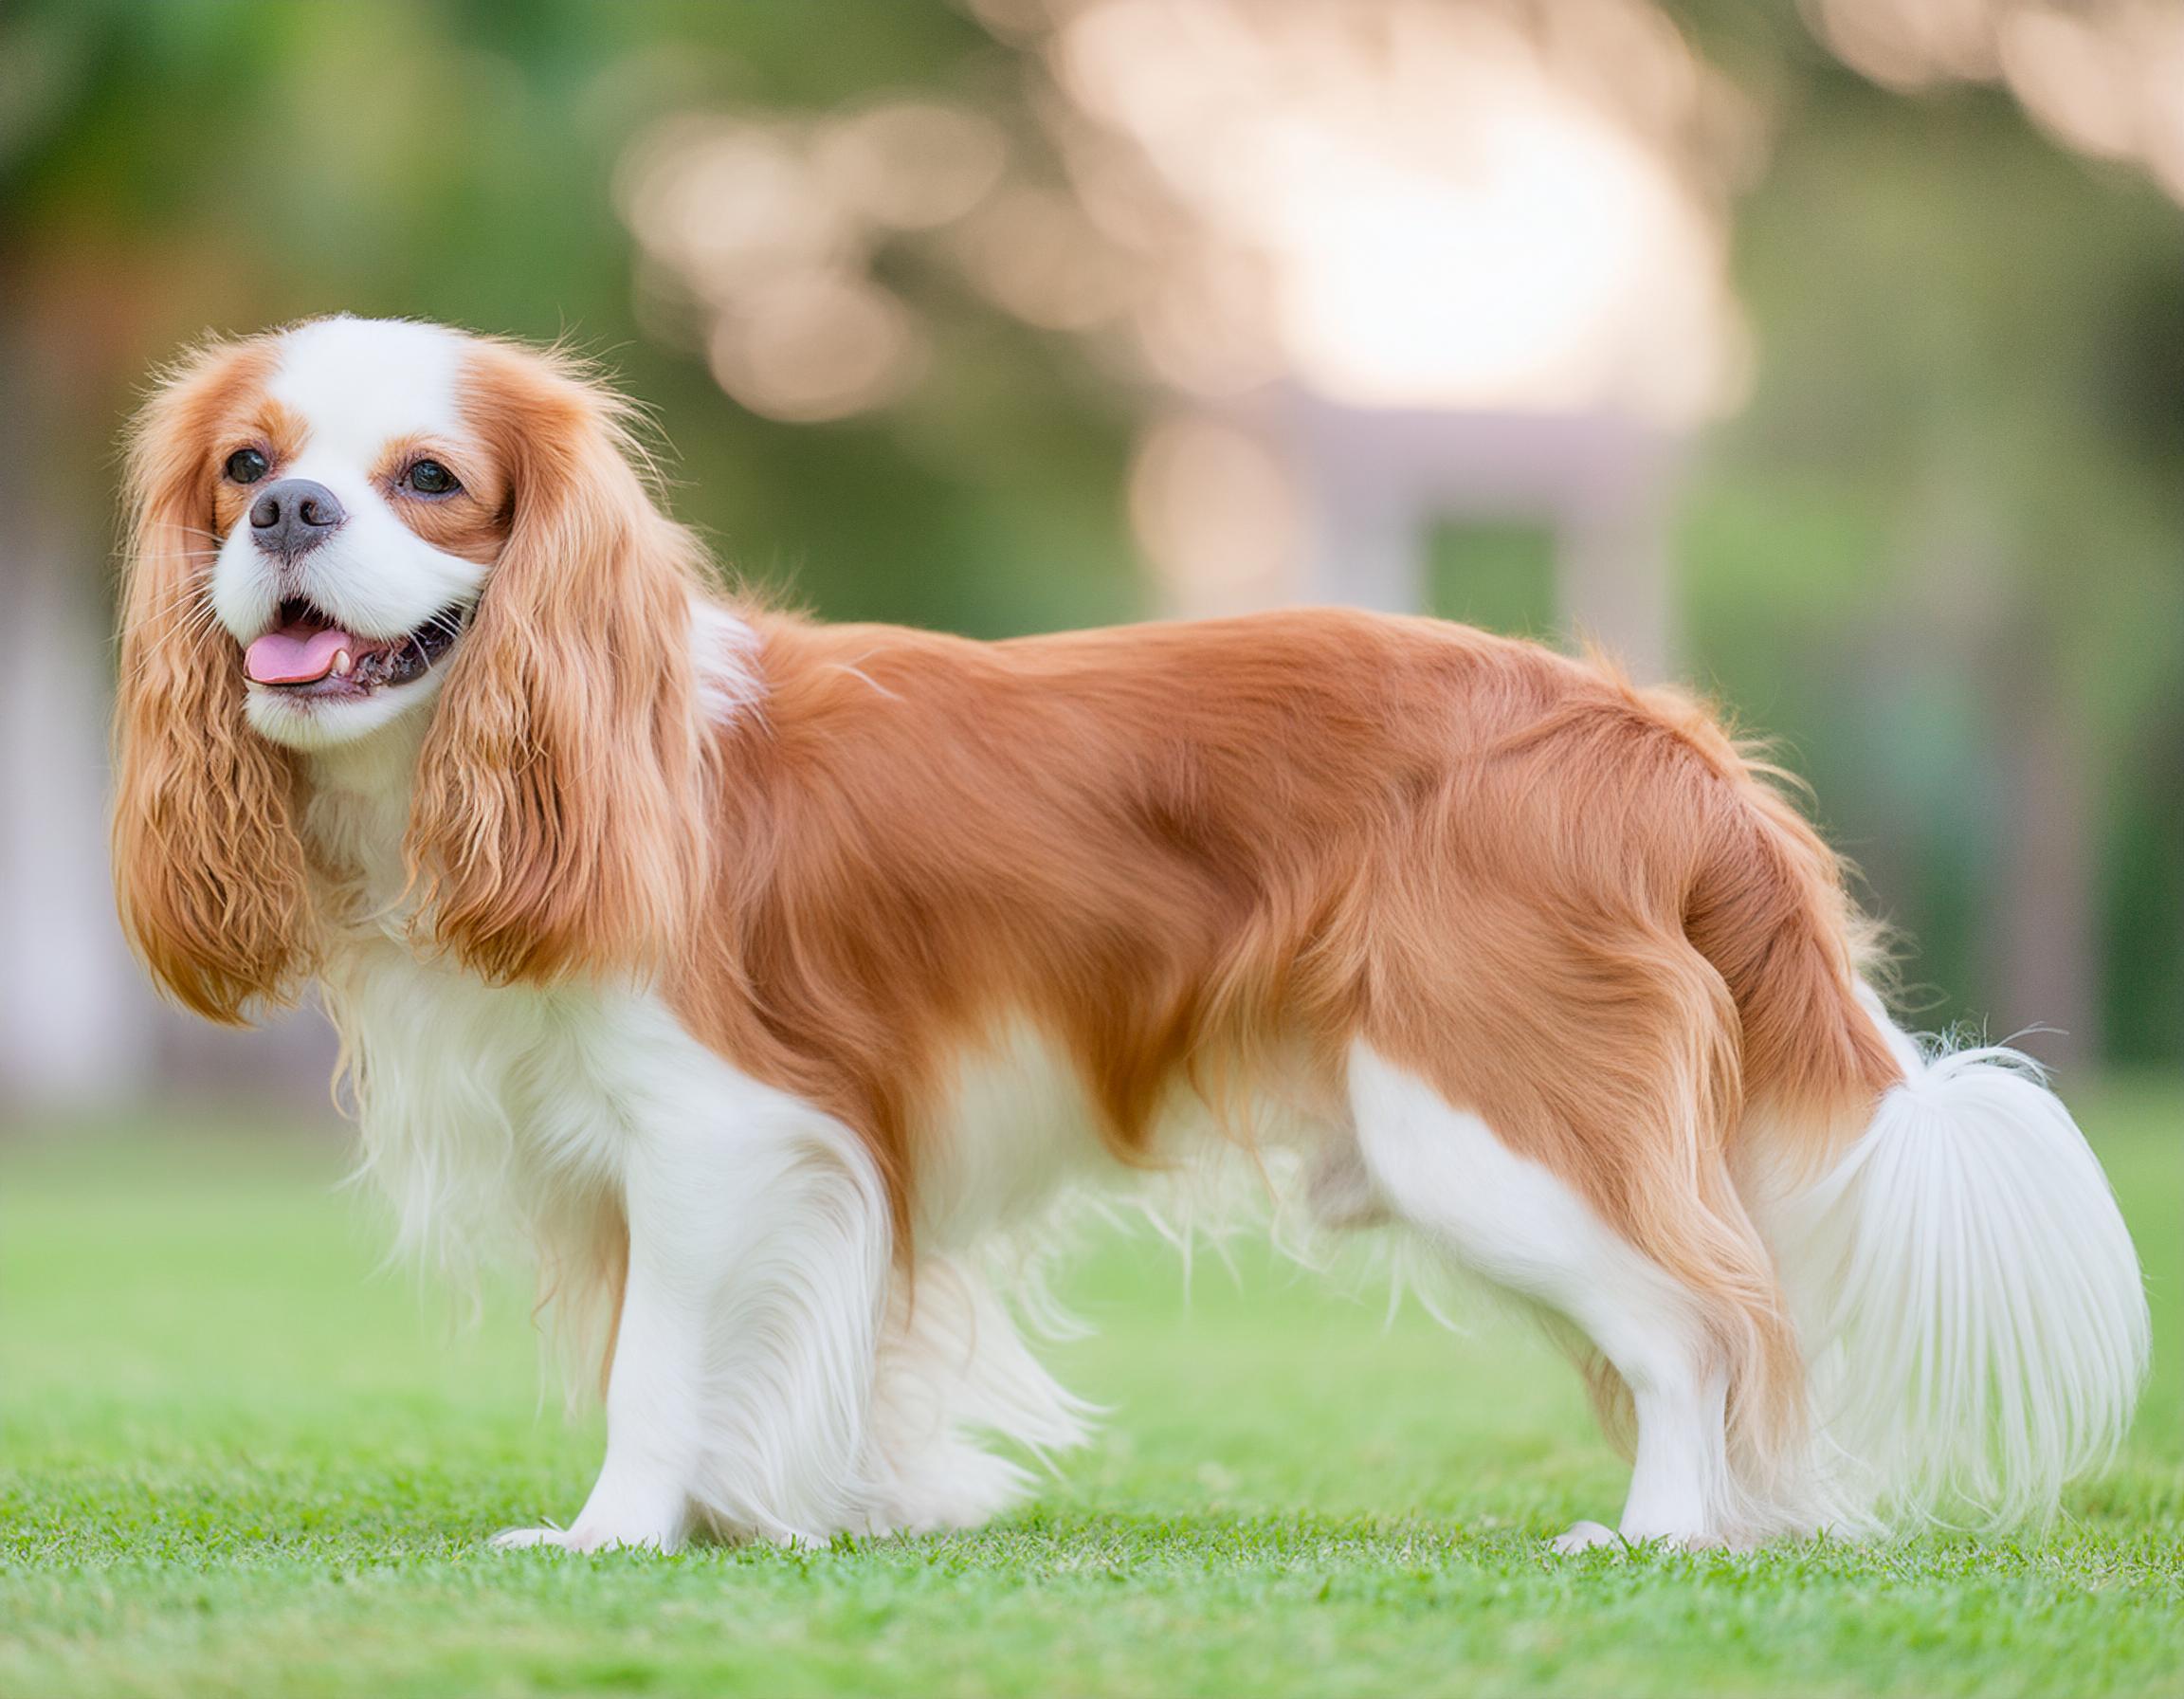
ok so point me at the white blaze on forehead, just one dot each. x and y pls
(358, 383)
(354, 386)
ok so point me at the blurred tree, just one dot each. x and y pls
(167, 171)
(1943, 542)
(229, 163)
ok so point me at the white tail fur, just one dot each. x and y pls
(1971, 1303)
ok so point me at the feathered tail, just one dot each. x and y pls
(1971, 1308)
(1968, 1301)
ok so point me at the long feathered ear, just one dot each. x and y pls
(559, 826)
(209, 871)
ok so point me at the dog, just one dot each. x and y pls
(762, 975)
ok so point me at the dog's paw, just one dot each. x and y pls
(523, 1539)
(582, 1538)
(1585, 1536)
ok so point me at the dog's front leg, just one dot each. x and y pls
(743, 1361)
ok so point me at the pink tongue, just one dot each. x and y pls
(294, 655)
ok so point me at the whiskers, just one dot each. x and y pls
(435, 636)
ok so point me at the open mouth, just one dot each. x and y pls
(308, 652)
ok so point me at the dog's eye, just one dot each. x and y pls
(247, 465)
(429, 477)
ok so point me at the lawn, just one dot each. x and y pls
(240, 1460)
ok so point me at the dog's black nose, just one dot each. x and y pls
(294, 516)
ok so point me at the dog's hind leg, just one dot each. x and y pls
(1446, 1172)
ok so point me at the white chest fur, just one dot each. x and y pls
(487, 1112)
(493, 1116)
(1017, 1128)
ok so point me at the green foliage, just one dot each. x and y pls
(1950, 505)
(228, 164)
(233, 1461)
(1950, 500)
(1496, 574)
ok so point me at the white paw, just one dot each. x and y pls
(523, 1539)
(583, 1538)
(1675, 1541)
(1584, 1536)
(1587, 1535)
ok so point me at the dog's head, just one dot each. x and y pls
(356, 532)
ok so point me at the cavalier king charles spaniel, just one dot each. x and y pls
(763, 977)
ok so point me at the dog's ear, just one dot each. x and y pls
(209, 871)
(558, 825)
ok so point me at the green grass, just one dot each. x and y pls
(237, 1461)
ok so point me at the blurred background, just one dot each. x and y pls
(1828, 355)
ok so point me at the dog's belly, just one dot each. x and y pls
(1015, 1128)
